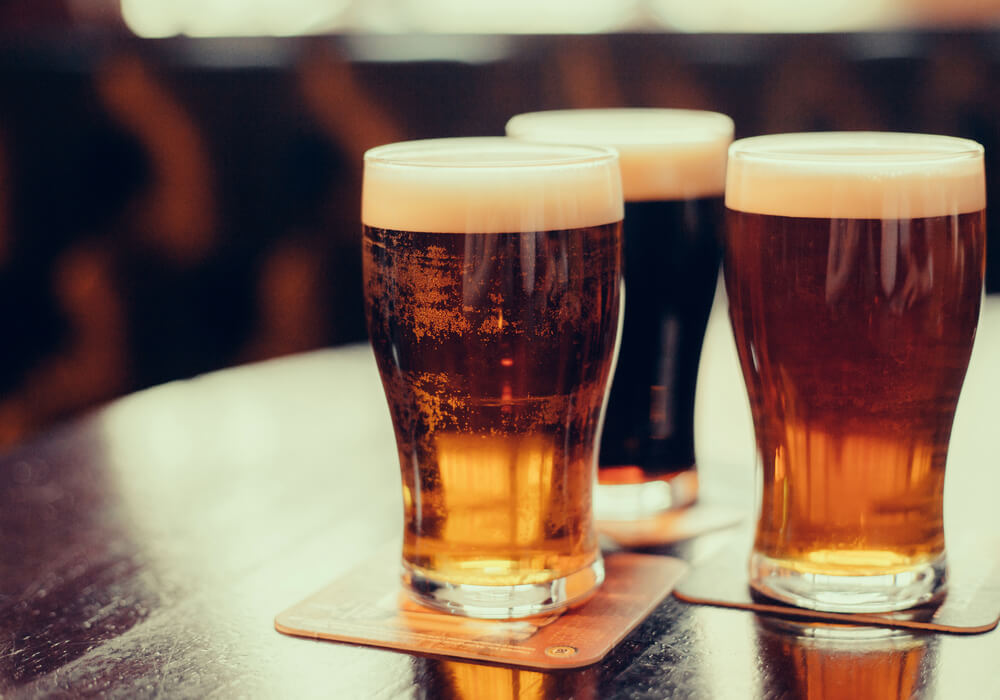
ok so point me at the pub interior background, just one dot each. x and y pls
(180, 180)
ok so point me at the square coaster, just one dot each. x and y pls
(972, 605)
(671, 526)
(368, 606)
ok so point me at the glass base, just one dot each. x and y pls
(789, 583)
(645, 499)
(503, 602)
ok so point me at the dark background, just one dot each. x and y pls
(171, 207)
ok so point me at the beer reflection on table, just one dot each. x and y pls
(448, 680)
(824, 661)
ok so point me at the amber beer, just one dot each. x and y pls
(492, 280)
(673, 166)
(821, 661)
(854, 269)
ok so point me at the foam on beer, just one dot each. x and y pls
(666, 154)
(856, 175)
(489, 185)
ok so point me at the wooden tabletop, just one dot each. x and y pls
(146, 548)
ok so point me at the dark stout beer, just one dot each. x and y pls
(854, 333)
(495, 349)
(672, 252)
(673, 174)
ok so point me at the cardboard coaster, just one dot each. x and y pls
(367, 606)
(671, 526)
(972, 605)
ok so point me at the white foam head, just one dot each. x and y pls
(489, 185)
(856, 175)
(666, 154)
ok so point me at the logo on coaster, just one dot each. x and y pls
(561, 651)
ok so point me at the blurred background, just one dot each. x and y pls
(180, 179)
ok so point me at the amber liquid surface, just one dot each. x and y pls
(854, 337)
(495, 352)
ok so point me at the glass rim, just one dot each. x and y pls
(631, 126)
(834, 148)
(485, 152)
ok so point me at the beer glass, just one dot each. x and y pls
(854, 267)
(493, 286)
(673, 166)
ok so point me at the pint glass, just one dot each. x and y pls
(493, 286)
(854, 267)
(673, 166)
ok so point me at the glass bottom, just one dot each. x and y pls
(638, 501)
(788, 582)
(503, 602)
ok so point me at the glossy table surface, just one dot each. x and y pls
(147, 547)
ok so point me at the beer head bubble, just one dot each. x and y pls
(489, 185)
(666, 154)
(856, 175)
